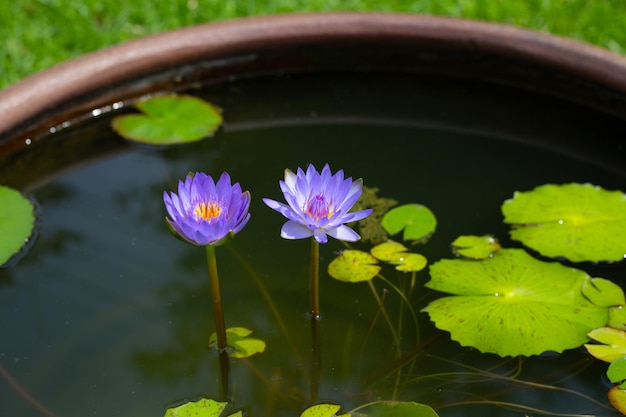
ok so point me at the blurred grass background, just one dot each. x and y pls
(37, 34)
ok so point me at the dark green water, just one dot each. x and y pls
(109, 315)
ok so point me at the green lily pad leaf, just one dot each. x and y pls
(580, 222)
(613, 347)
(417, 221)
(203, 408)
(17, 220)
(169, 120)
(323, 410)
(617, 397)
(617, 370)
(513, 304)
(353, 266)
(412, 262)
(398, 409)
(242, 346)
(397, 254)
(389, 251)
(617, 317)
(475, 247)
(603, 292)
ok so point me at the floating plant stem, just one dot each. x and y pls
(218, 312)
(218, 316)
(21, 391)
(315, 320)
(271, 305)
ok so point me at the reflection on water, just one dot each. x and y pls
(110, 315)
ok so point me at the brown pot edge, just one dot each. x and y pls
(45, 90)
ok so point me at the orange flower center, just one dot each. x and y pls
(207, 211)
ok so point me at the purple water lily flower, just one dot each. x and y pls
(205, 213)
(318, 205)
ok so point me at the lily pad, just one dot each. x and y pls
(475, 247)
(242, 346)
(580, 222)
(203, 408)
(323, 410)
(396, 409)
(412, 262)
(613, 344)
(417, 221)
(389, 251)
(513, 304)
(17, 220)
(353, 266)
(617, 370)
(169, 120)
(397, 254)
(603, 292)
(617, 397)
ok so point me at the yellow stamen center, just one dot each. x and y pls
(207, 211)
(318, 208)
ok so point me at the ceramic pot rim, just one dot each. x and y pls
(83, 83)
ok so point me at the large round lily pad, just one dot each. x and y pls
(513, 304)
(580, 222)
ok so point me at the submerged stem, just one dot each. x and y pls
(218, 315)
(314, 279)
(315, 319)
(218, 312)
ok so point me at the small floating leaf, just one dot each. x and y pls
(580, 222)
(389, 251)
(617, 370)
(412, 262)
(203, 408)
(242, 345)
(397, 254)
(617, 397)
(603, 292)
(475, 247)
(397, 409)
(417, 221)
(513, 304)
(169, 120)
(323, 410)
(353, 266)
(613, 347)
(17, 219)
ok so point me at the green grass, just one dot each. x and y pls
(37, 34)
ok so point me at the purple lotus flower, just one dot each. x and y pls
(205, 213)
(318, 205)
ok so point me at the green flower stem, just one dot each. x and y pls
(220, 327)
(314, 279)
(218, 312)
(315, 320)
